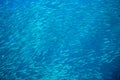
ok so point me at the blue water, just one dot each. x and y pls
(59, 40)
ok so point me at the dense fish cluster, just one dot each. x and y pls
(59, 40)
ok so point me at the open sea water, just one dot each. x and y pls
(59, 39)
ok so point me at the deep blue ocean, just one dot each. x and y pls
(59, 39)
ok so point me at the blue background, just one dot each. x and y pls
(59, 40)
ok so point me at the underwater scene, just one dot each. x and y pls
(59, 39)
